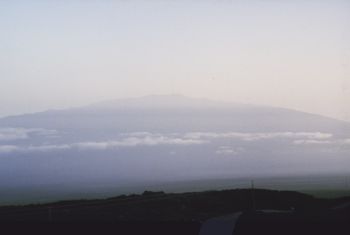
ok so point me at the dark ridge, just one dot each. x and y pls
(183, 213)
(160, 206)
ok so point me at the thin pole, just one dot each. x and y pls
(253, 196)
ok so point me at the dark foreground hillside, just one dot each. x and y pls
(264, 211)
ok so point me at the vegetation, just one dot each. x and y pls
(184, 213)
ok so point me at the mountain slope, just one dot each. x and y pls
(134, 143)
(176, 114)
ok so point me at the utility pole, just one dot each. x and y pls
(252, 194)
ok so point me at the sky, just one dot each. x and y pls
(59, 54)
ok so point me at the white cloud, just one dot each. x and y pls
(7, 148)
(228, 150)
(258, 136)
(102, 145)
(139, 134)
(338, 142)
(91, 145)
(134, 141)
(9, 134)
(45, 148)
(308, 141)
(128, 140)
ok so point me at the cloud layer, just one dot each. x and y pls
(229, 150)
(150, 140)
(10, 134)
(134, 139)
(258, 136)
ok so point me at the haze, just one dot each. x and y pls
(58, 54)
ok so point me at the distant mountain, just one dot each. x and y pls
(130, 143)
(175, 113)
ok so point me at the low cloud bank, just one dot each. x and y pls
(138, 141)
(134, 139)
(103, 145)
(258, 136)
(341, 142)
(228, 150)
(8, 148)
(9, 134)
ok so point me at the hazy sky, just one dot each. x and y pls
(56, 54)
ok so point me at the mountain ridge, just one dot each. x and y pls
(175, 112)
(173, 97)
(76, 147)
